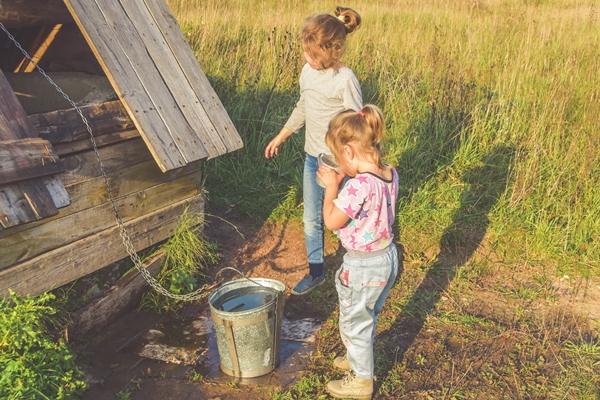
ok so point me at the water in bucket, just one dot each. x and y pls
(244, 299)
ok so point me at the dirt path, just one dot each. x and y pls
(112, 360)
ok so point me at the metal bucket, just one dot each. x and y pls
(247, 316)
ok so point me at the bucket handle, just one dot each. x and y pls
(217, 284)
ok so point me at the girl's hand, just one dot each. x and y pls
(329, 177)
(273, 147)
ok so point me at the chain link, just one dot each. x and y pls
(195, 295)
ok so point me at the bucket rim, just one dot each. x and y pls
(238, 282)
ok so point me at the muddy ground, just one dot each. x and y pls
(116, 370)
(112, 359)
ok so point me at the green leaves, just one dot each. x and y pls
(32, 365)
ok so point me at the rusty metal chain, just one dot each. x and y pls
(195, 295)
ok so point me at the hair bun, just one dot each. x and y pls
(347, 16)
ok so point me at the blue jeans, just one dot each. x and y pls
(313, 194)
(363, 282)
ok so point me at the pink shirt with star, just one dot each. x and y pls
(370, 202)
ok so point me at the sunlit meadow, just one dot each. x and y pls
(492, 111)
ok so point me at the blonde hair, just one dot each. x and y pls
(363, 130)
(324, 35)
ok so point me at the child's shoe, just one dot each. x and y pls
(307, 284)
(341, 362)
(351, 387)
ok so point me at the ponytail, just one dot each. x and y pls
(361, 129)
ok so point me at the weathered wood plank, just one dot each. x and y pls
(66, 148)
(119, 299)
(167, 65)
(14, 208)
(38, 197)
(66, 125)
(59, 232)
(85, 165)
(57, 191)
(26, 159)
(85, 256)
(123, 60)
(195, 76)
(161, 91)
(14, 124)
(25, 13)
(92, 192)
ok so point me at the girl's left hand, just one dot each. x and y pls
(329, 177)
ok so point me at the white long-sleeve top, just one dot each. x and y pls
(323, 94)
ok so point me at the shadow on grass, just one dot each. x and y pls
(459, 242)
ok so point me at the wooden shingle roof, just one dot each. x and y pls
(157, 77)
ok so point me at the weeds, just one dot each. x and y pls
(187, 255)
(33, 365)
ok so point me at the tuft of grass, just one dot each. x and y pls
(187, 255)
(289, 209)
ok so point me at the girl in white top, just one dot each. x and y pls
(327, 87)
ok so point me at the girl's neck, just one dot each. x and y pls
(364, 166)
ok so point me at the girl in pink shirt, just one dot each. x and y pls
(363, 213)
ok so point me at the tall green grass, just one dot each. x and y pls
(491, 107)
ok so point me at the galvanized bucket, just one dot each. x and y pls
(248, 339)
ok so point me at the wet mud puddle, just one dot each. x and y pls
(146, 345)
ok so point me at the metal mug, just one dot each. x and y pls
(329, 161)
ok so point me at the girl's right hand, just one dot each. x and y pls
(329, 177)
(273, 147)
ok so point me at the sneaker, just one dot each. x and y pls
(342, 363)
(351, 387)
(307, 284)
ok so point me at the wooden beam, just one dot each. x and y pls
(66, 125)
(77, 146)
(14, 123)
(62, 231)
(92, 192)
(119, 299)
(68, 263)
(26, 159)
(81, 166)
(26, 13)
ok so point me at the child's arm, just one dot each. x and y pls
(273, 146)
(333, 217)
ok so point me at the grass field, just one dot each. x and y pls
(492, 113)
(491, 108)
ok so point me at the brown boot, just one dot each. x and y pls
(342, 363)
(351, 387)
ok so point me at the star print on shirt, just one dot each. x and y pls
(367, 236)
(349, 210)
(362, 214)
(352, 191)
